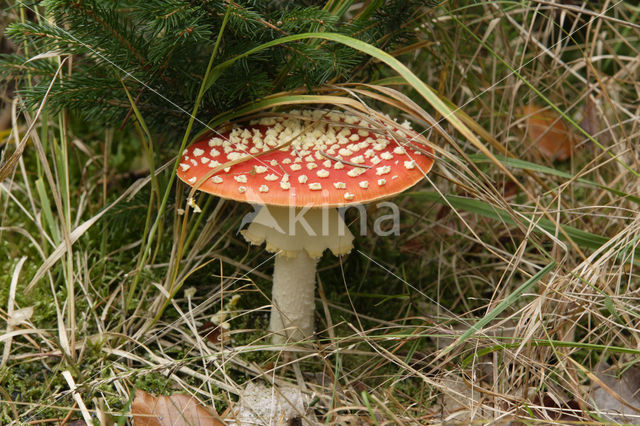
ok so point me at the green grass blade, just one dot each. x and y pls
(525, 165)
(556, 343)
(490, 316)
(581, 238)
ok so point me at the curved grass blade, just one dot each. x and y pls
(414, 81)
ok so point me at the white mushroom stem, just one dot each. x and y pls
(299, 237)
(294, 284)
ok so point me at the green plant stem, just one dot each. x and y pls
(165, 198)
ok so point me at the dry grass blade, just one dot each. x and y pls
(86, 225)
(10, 164)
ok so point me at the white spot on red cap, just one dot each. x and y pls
(271, 177)
(216, 179)
(364, 184)
(241, 178)
(322, 173)
(381, 182)
(192, 180)
(302, 178)
(315, 186)
(184, 167)
(263, 188)
(198, 152)
(339, 185)
(215, 141)
(410, 164)
(383, 170)
(242, 189)
(348, 196)
(386, 156)
(356, 171)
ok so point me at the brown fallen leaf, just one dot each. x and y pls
(174, 410)
(548, 132)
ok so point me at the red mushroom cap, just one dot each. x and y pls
(338, 161)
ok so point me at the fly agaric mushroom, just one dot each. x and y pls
(300, 168)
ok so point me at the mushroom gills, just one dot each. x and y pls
(288, 230)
